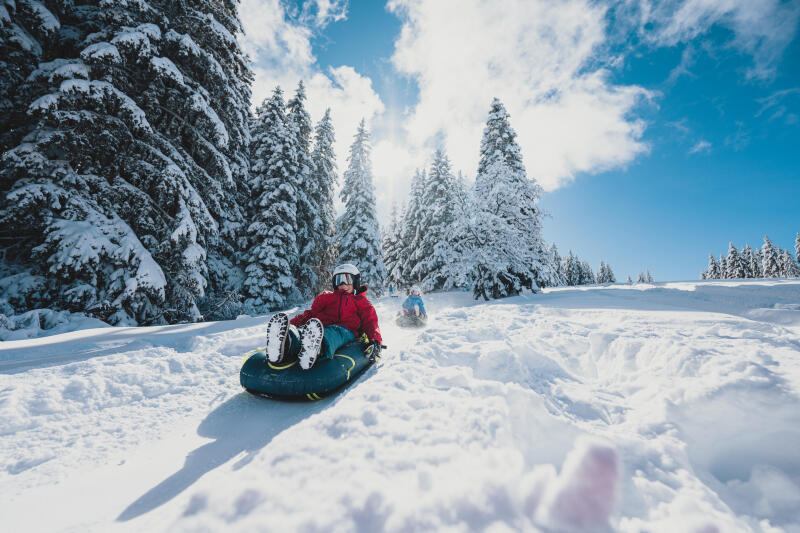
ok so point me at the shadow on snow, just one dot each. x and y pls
(243, 423)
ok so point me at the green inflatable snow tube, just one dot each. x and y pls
(287, 381)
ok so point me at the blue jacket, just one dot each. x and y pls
(413, 300)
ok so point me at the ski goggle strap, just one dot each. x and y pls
(341, 278)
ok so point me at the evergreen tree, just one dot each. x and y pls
(649, 277)
(769, 259)
(395, 256)
(734, 264)
(587, 276)
(786, 264)
(723, 267)
(628, 280)
(213, 112)
(571, 267)
(509, 251)
(759, 262)
(610, 277)
(713, 271)
(749, 262)
(308, 196)
(641, 278)
(458, 265)
(797, 248)
(411, 230)
(272, 255)
(142, 133)
(68, 189)
(436, 251)
(324, 252)
(29, 33)
(556, 262)
(392, 248)
(359, 235)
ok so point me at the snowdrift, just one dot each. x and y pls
(652, 407)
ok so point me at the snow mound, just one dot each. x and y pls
(612, 408)
(44, 322)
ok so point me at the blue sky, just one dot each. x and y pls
(660, 130)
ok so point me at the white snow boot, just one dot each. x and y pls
(277, 337)
(311, 342)
(416, 310)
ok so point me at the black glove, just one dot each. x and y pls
(373, 350)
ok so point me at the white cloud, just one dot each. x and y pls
(777, 107)
(323, 12)
(701, 146)
(548, 62)
(761, 28)
(350, 97)
(282, 55)
(538, 58)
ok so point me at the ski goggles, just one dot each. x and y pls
(342, 279)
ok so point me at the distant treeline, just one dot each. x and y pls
(768, 261)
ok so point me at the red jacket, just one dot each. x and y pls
(352, 311)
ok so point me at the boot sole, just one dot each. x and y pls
(277, 335)
(311, 342)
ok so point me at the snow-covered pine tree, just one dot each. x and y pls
(748, 261)
(28, 31)
(649, 277)
(713, 271)
(154, 130)
(509, 251)
(601, 273)
(556, 262)
(734, 264)
(628, 280)
(610, 277)
(207, 121)
(359, 234)
(392, 248)
(66, 188)
(460, 268)
(571, 268)
(436, 252)
(641, 278)
(769, 259)
(786, 264)
(723, 267)
(587, 275)
(759, 261)
(411, 230)
(396, 276)
(324, 180)
(272, 255)
(308, 196)
(797, 248)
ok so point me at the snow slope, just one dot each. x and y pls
(652, 407)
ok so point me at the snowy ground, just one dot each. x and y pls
(662, 408)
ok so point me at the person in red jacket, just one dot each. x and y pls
(335, 318)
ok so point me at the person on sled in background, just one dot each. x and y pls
(413, 304)
(335, 319)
